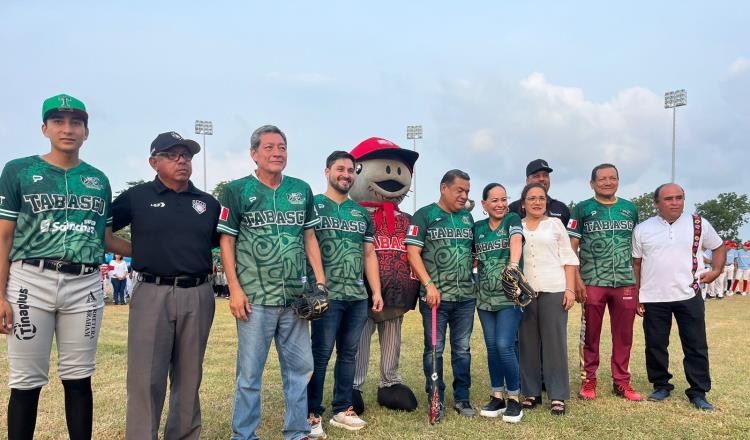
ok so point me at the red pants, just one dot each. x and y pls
(622, 304)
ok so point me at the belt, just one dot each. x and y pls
(63, 266)
(183, 281)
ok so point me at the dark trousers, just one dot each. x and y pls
(459, 317)
(341, 325)
(691, 324)
(118, 290)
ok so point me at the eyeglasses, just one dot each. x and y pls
(174, 157)
(536, 199)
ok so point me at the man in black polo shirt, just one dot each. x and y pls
(537, 171)
(173, 228)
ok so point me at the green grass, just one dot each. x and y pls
(607, 417)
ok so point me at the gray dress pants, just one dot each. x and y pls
(167, 336)
(543, 335)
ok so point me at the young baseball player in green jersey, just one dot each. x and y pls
(54, 223)
(267, 224)
(345, 234)
(498, 242)
(601, 229)
(439, 243)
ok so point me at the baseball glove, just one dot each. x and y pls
(516, 288)
(312, 304)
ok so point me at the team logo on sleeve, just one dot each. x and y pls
(572, 223)
(91, 182)
(199, 206)
(413, 230)
(224, 215)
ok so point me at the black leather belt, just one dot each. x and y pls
(63, 266)
(183, 281)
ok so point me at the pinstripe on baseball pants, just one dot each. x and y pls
(389, 334)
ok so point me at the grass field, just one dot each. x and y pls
(728, 324)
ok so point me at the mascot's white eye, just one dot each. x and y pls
(358, 168)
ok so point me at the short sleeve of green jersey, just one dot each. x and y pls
(230, 215)
(415, 234)
(575, 226)
(369, 228)
(514, 224)
(311, 212)
(10, 201)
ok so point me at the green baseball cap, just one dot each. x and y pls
(64, 103)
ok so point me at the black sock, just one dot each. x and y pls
(79, 408)
(22, 413)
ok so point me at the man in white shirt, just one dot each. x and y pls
(668, 263)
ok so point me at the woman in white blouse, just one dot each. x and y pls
(549, 265)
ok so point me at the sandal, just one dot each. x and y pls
(531, 402)
(557, 408)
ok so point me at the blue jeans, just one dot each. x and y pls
(500, 330)
(342, 325)
(459, 316)
(292, 338)
(118, 290)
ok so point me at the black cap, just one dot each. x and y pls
(537, 165)
(170, 139)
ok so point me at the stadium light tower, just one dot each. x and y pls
(414, 132)
(674, 99)
(205, 128)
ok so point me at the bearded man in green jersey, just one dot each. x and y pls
(439, 243)
(345, 234)
(267, 223)
(54, 223)
(601, 228)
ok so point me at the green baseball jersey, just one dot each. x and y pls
(492, 250)
(269, 225)
(59, 214)
(341, 234)
(605, 233)
(446, 241)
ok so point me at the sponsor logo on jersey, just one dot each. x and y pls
(466, 220)
(158, 205)
(626, 213)
(88, 227)
(295, 198)
(252, 199)
(321, 206)
(335, 223)
(281, 218)
(23, 328)
(608, 225)
(36, 178)
(593, 212)
(442, 233)
(91, 182)
(224, 214)
(57, 202)
(481, 236)
(413, 230)
(199, 206)
(356, 213)
(572, 223)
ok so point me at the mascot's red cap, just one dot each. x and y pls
(379, 148)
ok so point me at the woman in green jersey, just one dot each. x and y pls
(498, 242)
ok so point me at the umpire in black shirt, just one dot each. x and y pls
(537, 171)
(173, 229)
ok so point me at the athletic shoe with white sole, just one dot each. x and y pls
(316, 426)
(513, 413)
(493, 408)
(348, 420)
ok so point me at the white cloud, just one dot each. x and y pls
(739, 66)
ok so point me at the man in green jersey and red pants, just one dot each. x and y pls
(345, 234)
(54, 222)
(601, 229)
(267, 224)
(439, 243)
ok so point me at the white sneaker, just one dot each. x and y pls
(316, 427)
(348, 420)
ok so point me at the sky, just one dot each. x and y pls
(494, 84)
